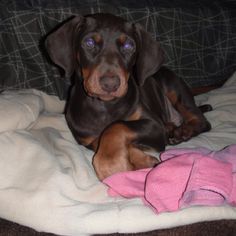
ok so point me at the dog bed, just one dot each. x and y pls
(47, 181)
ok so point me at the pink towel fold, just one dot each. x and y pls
(232, 197)
(227, 154)
(165, 184)
(210, 183)
(187, 177)
(127, 184)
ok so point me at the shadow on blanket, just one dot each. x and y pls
(212, 228)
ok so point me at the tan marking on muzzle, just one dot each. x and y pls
(86, 73)
(93, 86)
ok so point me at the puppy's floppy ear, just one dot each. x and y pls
(149, 55)
(59, 45)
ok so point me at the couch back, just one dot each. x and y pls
(198, 37)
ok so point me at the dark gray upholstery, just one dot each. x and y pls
(198, 38)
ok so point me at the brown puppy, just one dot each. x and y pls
(122, 100)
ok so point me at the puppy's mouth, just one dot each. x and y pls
(104, 96)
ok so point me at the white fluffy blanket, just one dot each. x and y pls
(47, 181)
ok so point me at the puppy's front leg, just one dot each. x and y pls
(120, 147)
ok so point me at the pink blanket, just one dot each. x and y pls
(185, 177)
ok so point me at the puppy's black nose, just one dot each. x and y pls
(110, 83)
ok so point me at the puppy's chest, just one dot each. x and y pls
(98, 120)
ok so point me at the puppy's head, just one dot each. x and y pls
(105, 51)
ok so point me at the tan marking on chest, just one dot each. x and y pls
(136, 115)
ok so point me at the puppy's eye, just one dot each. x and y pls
(90, 43)
(128, 45)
